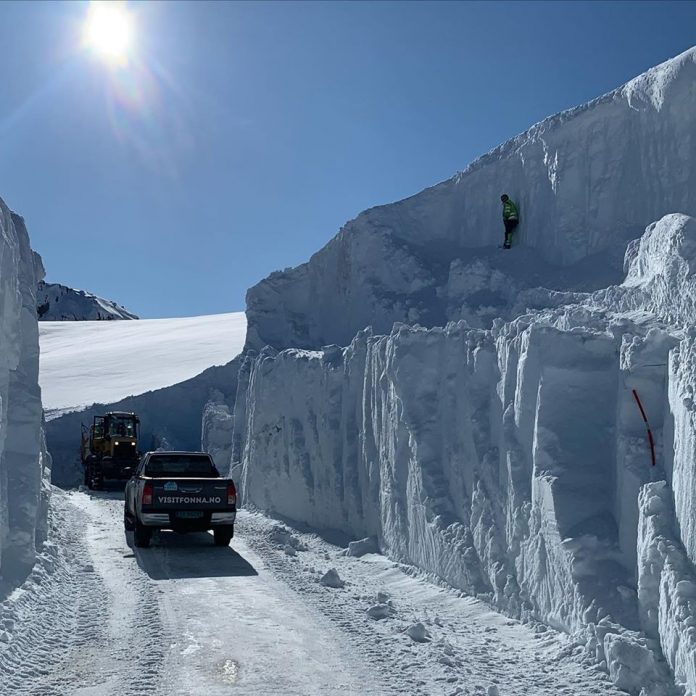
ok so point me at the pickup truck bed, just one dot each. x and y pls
(162, 495)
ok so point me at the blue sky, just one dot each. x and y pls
(243, 135)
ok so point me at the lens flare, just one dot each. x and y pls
(109, 31)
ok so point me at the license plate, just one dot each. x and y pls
(190, 515)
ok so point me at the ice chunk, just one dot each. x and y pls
(418, 633)
(379, 611)
(332, 579)
(362, 547)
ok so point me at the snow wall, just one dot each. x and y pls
(507, 461)
(485, 428)
(24, 462)
(586, 180)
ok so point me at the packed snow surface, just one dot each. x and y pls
(86, 362)
(98, 617)
(55, 302)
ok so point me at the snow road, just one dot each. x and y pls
(187, 618)
(86, 362)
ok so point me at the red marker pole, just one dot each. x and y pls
(647, 425)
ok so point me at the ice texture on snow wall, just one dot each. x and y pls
(506, 462)
(24, 462)
(587, 180)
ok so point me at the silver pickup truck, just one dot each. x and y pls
(181, 491)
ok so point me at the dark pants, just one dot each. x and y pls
(509, 227)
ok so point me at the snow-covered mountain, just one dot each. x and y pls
(24, 463)
(55, 302)
(486, 428)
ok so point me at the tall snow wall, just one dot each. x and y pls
(511, 462)
(504, 451)
(24, 463)
(587, 181)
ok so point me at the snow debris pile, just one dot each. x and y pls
(55, 302)
(478, 417)
(282, 537)
(24, 462)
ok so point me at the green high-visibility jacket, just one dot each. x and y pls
(510, 211)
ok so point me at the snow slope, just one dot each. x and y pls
(587, 181)
(55, 302)
(24, 463)
(485, 429)
(88, 362)
(185, 618)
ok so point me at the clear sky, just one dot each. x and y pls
(239, 137)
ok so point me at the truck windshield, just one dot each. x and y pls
(163, 465)
(122, 426)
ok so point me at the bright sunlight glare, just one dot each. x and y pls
(109, 30)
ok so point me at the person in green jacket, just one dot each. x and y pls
(511, 218)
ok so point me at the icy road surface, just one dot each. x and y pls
(85, 362)
(97, 618)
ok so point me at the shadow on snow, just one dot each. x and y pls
(174, 556)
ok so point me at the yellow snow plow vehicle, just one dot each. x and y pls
(109, 448)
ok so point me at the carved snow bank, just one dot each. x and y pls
(666, 584)
(501, 448)
(508, 461)
(24, 463)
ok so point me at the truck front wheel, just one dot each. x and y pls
(141, 534)
(94, 475)
(223, 536)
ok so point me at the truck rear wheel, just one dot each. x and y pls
(223, 536)
(141, 534)
(127, 519)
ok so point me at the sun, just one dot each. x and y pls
(109, 30)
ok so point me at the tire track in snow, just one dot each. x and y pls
(75, 622)
(58, 616)
(184, 618)
(188, 619)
